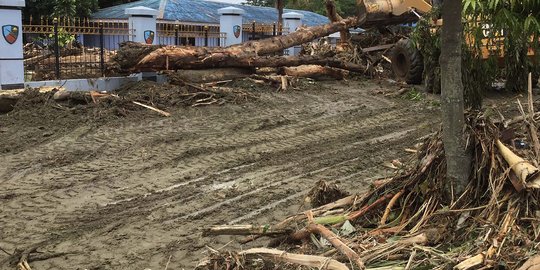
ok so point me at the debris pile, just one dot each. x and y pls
(414, 220)
(135, 97)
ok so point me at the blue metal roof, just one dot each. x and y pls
(203, 11)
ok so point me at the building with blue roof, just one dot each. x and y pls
(194, 22)
(203, 12)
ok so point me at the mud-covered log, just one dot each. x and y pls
(209, 75)
(316, 72)
(189, 59)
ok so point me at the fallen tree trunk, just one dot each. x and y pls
(228, 61)
(206, 75)
(316, 72)
(204, 57)
(132, 57)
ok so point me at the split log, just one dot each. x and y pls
(470, 262)
(300, 259)
(316, 72)
(266, 230)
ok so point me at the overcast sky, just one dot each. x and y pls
(230, 1)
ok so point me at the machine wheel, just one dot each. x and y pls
(407, 62)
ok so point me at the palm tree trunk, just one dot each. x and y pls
(457, 159)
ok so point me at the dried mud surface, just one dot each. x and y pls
(132, 192)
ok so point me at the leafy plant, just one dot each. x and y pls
(64, 38)
(414, 95)
(510, 29)
(493, 30)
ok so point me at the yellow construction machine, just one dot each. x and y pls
(407, 61)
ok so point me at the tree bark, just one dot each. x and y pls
(316, 72)
(152, 58)
(204, 57)
(177, 58)
(333, 16)
(209, 75)
(280, 5)
(457, 159)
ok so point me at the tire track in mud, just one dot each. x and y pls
(279, 197)
(241, 146)
(145, 181)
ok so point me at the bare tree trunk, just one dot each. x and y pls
(333, 16)
(457, 159)
(280, 5)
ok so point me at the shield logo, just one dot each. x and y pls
(149, 36)
(10, 33)
(236, 30)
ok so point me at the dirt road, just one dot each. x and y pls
(132, 193)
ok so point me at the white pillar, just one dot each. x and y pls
(11, 45)
(230, 22)
(142, 24)
(293, 21)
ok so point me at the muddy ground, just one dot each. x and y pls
(133, 192)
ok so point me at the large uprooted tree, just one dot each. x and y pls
(256, 53)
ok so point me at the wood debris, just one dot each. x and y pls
(407, 221)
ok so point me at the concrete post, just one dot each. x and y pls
(292, 21)
(11, 45)
(230, 22)
(142, 24)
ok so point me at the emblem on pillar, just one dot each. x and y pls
(236, 30)
(10, 33)
(149, 36)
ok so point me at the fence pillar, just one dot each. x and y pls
(230, 22)
(11, 45)
(293, 21)
(142, 24)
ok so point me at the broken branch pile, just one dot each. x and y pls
(143, 95)
(413, 221)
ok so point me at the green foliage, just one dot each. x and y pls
(64, 38)
(262, 3)
(344, 7)
(59, 8)
(427, 40)
(504, 28)
(519, 23)
(413, 95)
